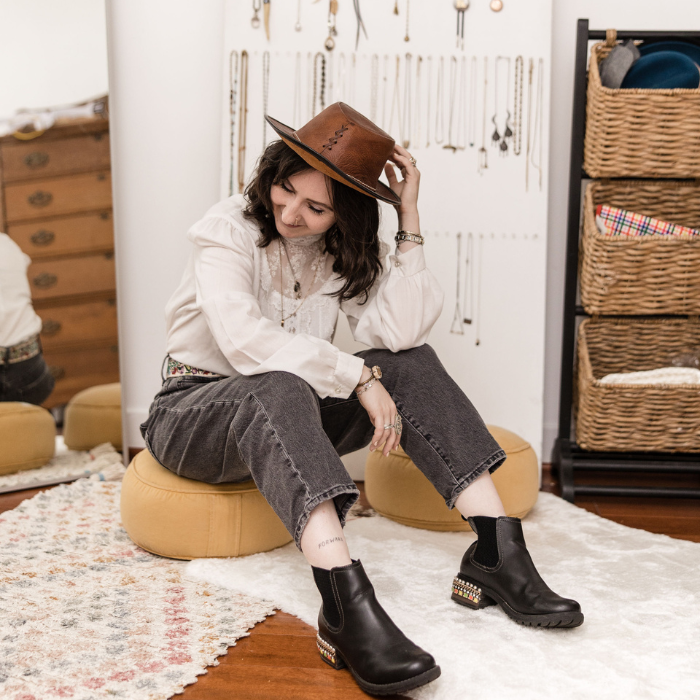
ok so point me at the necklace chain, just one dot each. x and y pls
(266, 91)
(233, 78)
(297, 284)
(518, 107)
(407, 100)
(242, 120)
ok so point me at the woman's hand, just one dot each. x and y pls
(407, 189)
(382, 411)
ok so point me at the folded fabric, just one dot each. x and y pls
(663, 375)
(614, 68)
(612, 221)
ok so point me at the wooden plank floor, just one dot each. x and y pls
(279, 658)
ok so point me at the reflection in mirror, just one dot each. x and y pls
(58, 315)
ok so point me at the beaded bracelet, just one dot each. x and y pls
(408, 236)
(367, 386)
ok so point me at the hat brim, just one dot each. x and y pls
(318, 162)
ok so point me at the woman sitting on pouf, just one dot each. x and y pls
(255, 386)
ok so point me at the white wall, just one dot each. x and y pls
(52, 52)
(165, 93)
(603, 14)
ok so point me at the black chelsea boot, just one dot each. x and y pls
(497, 570)
(355, 631)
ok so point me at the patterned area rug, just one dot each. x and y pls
(68, 465)
(86, 614)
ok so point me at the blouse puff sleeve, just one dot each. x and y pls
(403, 306)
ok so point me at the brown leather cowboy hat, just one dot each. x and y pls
(345, 145)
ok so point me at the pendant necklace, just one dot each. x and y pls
(332, 18)
(461, 6)
(385, 90)
(396, 7)
(468, 301)
(453, 95)
(255, 21)
(266, 91)
(461, 138)
(407, 127)
(537, 129)
(439, 111)
(233, 81)
(266, 15)
(396, 102)
(297, 26)
(297, 284)
(429, 100)
(416, 136)
(319, 93)
(501, 140)
(296, 111)
(477, 341)
(242, 121)
(483, 162)
(457, 326)
(360, 23)
(472, 102)
(530, 68)
(374, 89)
(408, 3)
(518, 107)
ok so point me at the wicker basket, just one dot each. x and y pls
(641, 275)
(639, 133)
(637, 418)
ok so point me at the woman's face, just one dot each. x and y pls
(301, 205)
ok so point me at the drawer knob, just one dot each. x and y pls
(43, 237)
(45, 280)
(36, 159)
(101, 177)
(40, 198)
(51, 327)
(57, 372)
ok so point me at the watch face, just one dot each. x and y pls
(377, 372)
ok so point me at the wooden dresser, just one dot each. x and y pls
(56, 204)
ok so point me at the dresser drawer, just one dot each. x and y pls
(65, 236)
(78, 323)
(42, 158)
(60, 278)
(57, 196)
(75, 370)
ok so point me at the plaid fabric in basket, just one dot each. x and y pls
(612, 221)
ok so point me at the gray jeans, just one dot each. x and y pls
(274, 428)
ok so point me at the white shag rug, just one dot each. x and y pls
(640, 594)
(68, 465)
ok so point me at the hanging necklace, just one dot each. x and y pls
(360, 23)
(351, 79)
(478, 290)
(385, 90)
(243, 120)
(374, 89)
(439, 111)
(309, 86)
(255, 21)
(453, 96)
(297, 26)
(461, 138)
(416, 137)
(406, 119)
(483, 162)
(233, 81)
(266, 15)
(530, 68)
(266, 91)
(330, 90)
(429, 100)
(501, 140)
(457, 326)
(319, 84)
(296, 119)
(537, 129)
(342, 78)
(396, 7)
(332, 18)
(396, 102)
(468, 301)
(408, 4)
(518, 107)
(297, 285)
(461, 6)
(472, 102)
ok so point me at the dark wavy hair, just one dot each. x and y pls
(354, 238)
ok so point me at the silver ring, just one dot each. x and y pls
(413, 161)
(388, 426)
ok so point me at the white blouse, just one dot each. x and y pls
(225, 315)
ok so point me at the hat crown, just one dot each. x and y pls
(349, 141)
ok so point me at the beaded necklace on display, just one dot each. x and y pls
(374, 88)
(319, 84)
(242, 121)
(297, 284)
(457, 328)
(439, 111)
(472, 102)
(518, 107)
(483, 162)
(407, 127)
(453, 96)
(233, 80)
(265, 91)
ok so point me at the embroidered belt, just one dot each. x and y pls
(20, 352)
(180, 369)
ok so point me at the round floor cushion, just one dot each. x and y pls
(397, 489)
(94, 416)
(27, 436)
(184, 519)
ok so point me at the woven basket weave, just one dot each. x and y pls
(641, 275)
(638, 418)
(639, 133)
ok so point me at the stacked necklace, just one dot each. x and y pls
(297, 283)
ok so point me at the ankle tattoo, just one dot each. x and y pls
(331, 540)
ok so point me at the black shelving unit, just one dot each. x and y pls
(567, 456)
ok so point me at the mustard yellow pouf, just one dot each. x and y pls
(397, 489)
(94, 416)
(27, 436)
(184, 519)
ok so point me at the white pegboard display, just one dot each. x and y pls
(486, 225)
